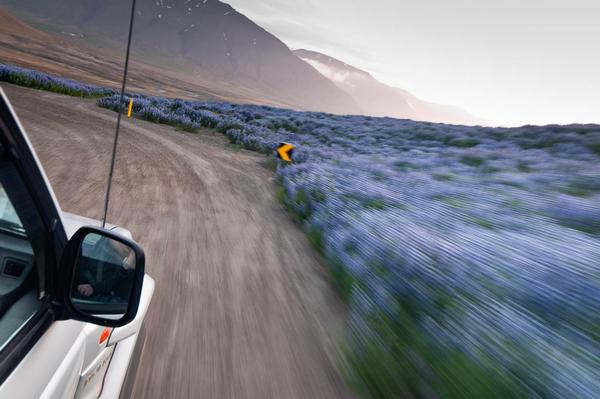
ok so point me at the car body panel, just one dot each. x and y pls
(85, 353)
(92, 378)
(119, 364)
(52, 367)
(72, 223)
(92, 346)
(64, 381)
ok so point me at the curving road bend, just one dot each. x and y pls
(242, 308)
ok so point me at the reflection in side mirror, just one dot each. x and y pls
(103, 277)
(106, 273)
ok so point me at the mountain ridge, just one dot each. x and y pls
(208, 38)
(221, 52)
(379, 99)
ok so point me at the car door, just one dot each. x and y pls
(39, 357)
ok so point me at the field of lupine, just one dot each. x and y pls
(39, 80)
(469, 256)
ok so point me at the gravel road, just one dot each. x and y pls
(242, 307)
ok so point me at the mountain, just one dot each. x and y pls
(200, 49)
(378, 99)
(10, 25)
(207, 39)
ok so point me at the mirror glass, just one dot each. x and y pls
(103, 277)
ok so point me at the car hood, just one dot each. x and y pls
(73, 222)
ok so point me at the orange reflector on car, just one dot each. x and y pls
(104, 336)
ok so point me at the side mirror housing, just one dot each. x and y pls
(100, 278)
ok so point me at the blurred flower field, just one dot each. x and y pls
(469, 256)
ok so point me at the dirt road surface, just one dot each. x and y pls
(242, 308)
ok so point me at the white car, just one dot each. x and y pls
(73, 296)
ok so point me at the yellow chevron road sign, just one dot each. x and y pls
(284, 151)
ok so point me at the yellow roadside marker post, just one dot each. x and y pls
(130, 108)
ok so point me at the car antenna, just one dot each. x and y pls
(114, 148)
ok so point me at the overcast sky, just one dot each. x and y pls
(508, 61)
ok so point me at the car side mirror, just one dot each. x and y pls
(101, 277)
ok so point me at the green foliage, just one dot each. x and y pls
(235, 147)
(576, 191)
(270, 163)
(472, 160)
(229, 125)
(490, 169)
(403, 365)
(315, 237)
(523, 167)
(405, 165)
(318, 196)
(463, 143)
(425, 135)
(281, 195)
(463, 377)
(185, 128)
(452, 201)
(374, 203)
(582, 187)
(595, 147)
(443, 176)
(284, 124)
(342, 281)
(379, 176)
(302, 205)
(486, 224)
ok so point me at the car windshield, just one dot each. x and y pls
(9, 221)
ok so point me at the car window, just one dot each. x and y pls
(9, 220)
(19, 284)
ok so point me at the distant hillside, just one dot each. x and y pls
(207, 38)
(199, 49)
(378, 99)
(10, 25)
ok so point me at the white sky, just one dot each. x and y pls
(508, 61)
